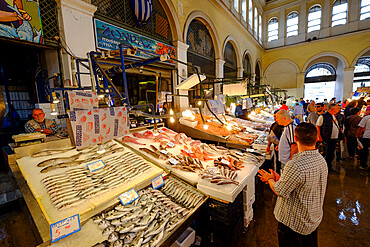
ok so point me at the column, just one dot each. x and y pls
(77, 32)
(220, 68)
(325, 19)
(302, 22)
(300, 84)
(181, 103)
(282, 24)
(348, 82)
(240, 72)
(353, 14)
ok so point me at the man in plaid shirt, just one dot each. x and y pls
(40, 124)
(300, 190)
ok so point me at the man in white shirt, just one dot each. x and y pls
(364, 131)
(287, 137)
(298, 112)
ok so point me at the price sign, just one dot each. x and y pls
(223, 161)
(164, 152)
(160, 131)
(64, 228)
(128, 197)
(183, 136)
(239, 153)
(213, 170)
(188, 151)
(250, 150)
(173, 161)
(157, 182)
(170, 144)
(96, 165)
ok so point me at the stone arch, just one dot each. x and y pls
(236, 48)
(326, 54)
(169, 8)
(363, 52)
(249, 54)
(199, 15)
(282, 73)
(282, 60)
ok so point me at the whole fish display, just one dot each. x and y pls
(151, 218)
(51, 152)
(74, 186)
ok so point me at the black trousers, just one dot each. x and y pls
(352, 146)
(289, 238)
(364, 153)
(330, 152)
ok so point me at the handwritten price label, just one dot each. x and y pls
(239, 153)
(164, 152)
(128, 197)
(213, 170)
(225, 162)
(157, 182)
(188, 151)
(183, 136)
(96, 165)
(173, 161)
(64, 228)
(170, 144)
(250, 150)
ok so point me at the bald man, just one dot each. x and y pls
(40, 124)
(287, 138)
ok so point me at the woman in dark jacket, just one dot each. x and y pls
(350, 131)
(349, 106)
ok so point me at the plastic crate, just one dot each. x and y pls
(221, 234)
(225, 212)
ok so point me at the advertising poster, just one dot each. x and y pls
(20, 19)
(82, 100)
(98, 125)
(108, 37)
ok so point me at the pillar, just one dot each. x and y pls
(300, 85)
(77, 33)
(181, 103)
(348, 82)
(240, 72)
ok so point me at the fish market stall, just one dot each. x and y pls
(217, 171)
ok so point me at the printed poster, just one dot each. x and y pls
(98, 125)
(20, 19)
(82, 100)
(216, 107)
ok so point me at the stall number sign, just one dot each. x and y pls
(64, 228)
(157, 182)
(96, 165)
(128, 197)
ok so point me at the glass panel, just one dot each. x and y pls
(293, 33)
(236, 5)
(365, 16)
(315, 22)
(274, 32)
(315, 15)
(340, 8)
(250, 17)
(292, 28)
(339, 16)
(271, 38)
(365, 9)
(292, 21)
(365, 2)
(313, 28)
(244, 9)
(260, 26)
(337, 23)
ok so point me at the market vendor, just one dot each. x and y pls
(41, 124)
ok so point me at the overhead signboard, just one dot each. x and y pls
(20, 20)
(108, 37)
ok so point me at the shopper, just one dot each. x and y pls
(287, 146)
(350, 131)
(312, 118)
(326, 102)
(311, 107)
(367, 112)
(349, 106)
(364, 134)
(302, 102)
(284, 106)
(330, 132)
(338, 148)
(361, 102)
(273, 139)
(344, 104)
(300, 190)
(298, 112)
(41, 124)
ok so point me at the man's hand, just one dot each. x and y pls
(265, 176)
(25, 16)
(319, 139)
(277, 148)
(47, 131)
(268, 150)
(276, 175)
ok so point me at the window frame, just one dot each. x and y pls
(236, 5)
(259, 26)
(308, 20)
(244, 10)
(255, 15)
(250, 13)
(335, 4)
(269, 31)
(365, 13)
(296, 24)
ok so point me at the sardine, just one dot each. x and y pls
(108, 230)
(51, 152)
(56, 161)
(118, 243)
(113, 237)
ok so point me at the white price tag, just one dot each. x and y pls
(239, 153)
(157, 182)
(188, 151)
(164, 152)
(250, 150)
(223, 161)
(160, 131)
(170, 144)
(96, 165)
(128, 197)
(183, 136)
(64, 228)
(173, 161)
(213, 170)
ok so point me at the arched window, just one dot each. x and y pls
(244, 9)
(247, 68)
(257, 74)
(260, 26)
(362, 65)
(339, 16)
(314, 18)
(365, 9)
(255, 20)
(236, 5)
(230, 65)
(292, 24)
(320, 69)
(250, 13)
(273, 29)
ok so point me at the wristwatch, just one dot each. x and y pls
(42, 131)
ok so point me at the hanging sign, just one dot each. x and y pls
(22, 20)
(98, 125)
(64, 228)
(82, 100)
(128, 197)
(108, 37)
(157, 182)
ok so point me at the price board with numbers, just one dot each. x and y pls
(64, 228)
(128, 196)
(157, 182)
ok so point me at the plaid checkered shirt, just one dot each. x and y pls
(30, 129)
(301, 191)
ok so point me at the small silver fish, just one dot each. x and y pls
(113, 237)
(108, 230)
